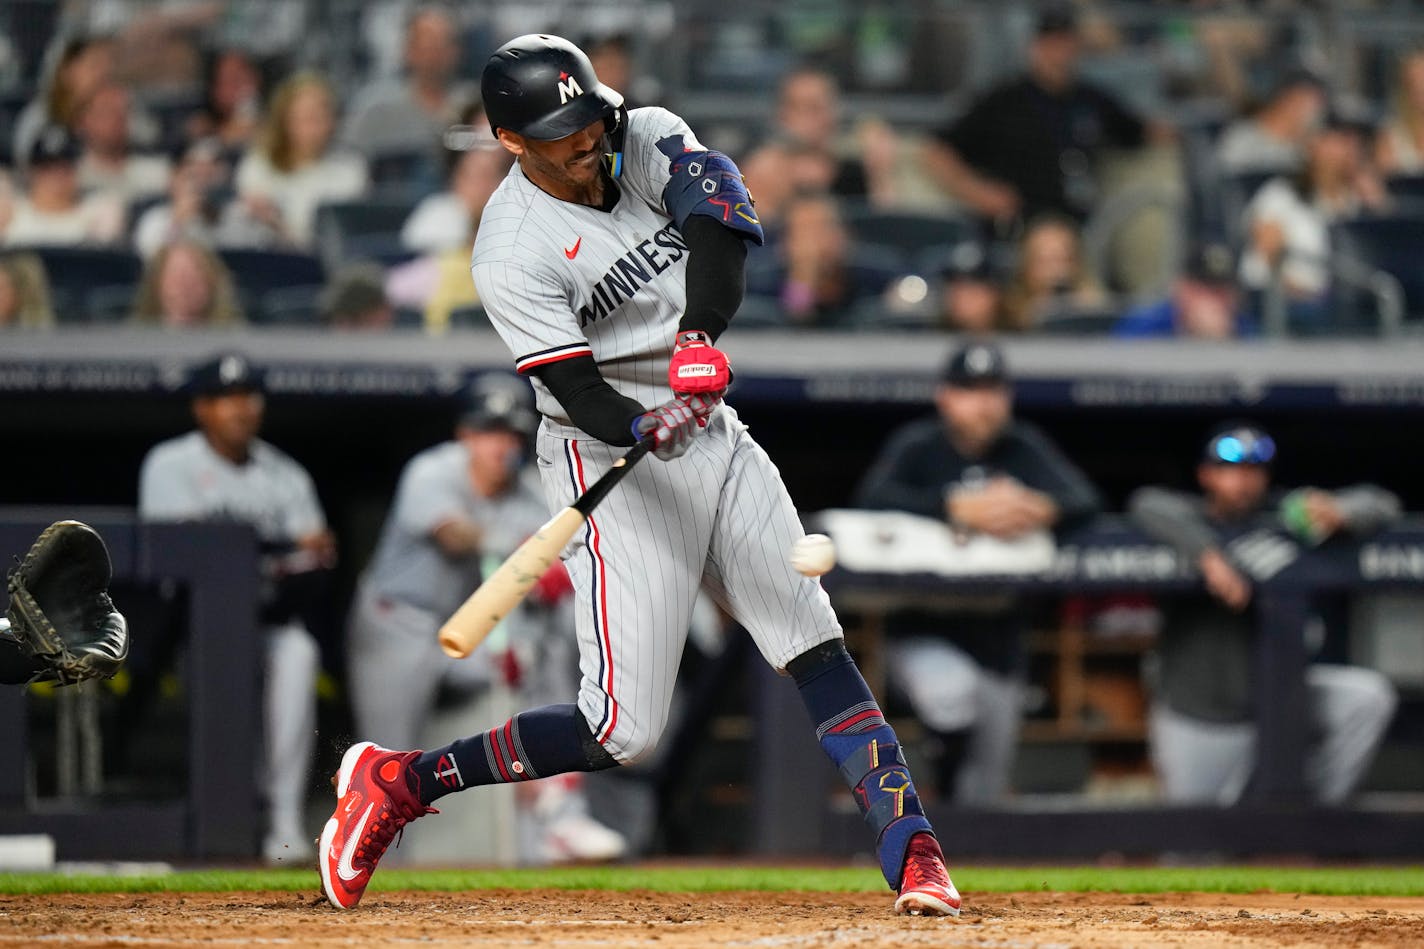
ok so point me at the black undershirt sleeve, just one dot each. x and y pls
(716, 278)
(715, 284)
(592, 404)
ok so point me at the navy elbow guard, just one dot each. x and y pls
(708, 183)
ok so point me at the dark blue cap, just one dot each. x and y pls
(229, 372)
(976, 364)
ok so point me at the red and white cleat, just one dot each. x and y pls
(925, 887)
(373, 802)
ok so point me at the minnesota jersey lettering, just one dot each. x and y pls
(561, 280)
(635, 268)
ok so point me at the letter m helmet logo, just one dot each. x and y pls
(568, 88)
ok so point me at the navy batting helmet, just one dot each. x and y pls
(543, 87)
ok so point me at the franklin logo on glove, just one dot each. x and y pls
(698, 367)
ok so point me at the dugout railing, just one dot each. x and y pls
(1110, 556)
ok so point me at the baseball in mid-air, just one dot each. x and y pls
(813, 555)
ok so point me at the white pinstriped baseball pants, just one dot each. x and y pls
(719, 517)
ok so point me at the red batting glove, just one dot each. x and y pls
(698, 367)
(552, 587)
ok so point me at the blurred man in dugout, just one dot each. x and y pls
(223, 472)
(1237, 531)
(984, 472)
(460, 508)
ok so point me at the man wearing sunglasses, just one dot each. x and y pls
(1239, 531)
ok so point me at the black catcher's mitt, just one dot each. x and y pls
(60, 613)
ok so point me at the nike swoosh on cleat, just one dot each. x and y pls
(344, 869)
(571, 253)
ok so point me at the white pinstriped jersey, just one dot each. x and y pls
(560, 279)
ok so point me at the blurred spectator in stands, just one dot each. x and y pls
(1205, 302)
(983, 472)
(292, 168)
(1288, 220)
(52, 210)
(1399, 149)
(185, 285)
(1275, 136)
(971, 298)
(232, 102)
(448, 220)
(778, 171)
(808, 113)
(198, 206)
(24, 293)
(443, 227)
(108, 162)
(1030, 145)
(612, 59)
(155, 42)
(412, 113)
(1051, 277)
(355, 299)
(1203, 737)
(815, 273)
(80, 66)
(224, 472)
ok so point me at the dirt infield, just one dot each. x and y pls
(585, 919)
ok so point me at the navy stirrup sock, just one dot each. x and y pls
(535, 744)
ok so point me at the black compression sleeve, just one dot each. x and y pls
(716, 278)
(593, 405)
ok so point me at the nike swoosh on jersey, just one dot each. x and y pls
(571, 254)
(344, 869)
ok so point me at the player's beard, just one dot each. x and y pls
(580, 175)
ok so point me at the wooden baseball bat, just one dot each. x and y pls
(509, 584)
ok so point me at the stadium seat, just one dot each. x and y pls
(257, 271)
(172, 113)
(76, 272)
(288, 306)
(760, 313)
(410, 174)
(12, 103)
(109, 304)
(409, 318)
(1236, 192)
(470, 318)
(365, 229)
(1071, 321)
(1392, 244)
(1408, 188)
(908, 233)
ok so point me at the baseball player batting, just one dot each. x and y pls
(610, 260)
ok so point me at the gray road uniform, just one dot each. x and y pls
(561, 280)
(411, 587)
(1203, 739)
(184, 479)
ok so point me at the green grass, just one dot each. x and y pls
(1363, 880)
